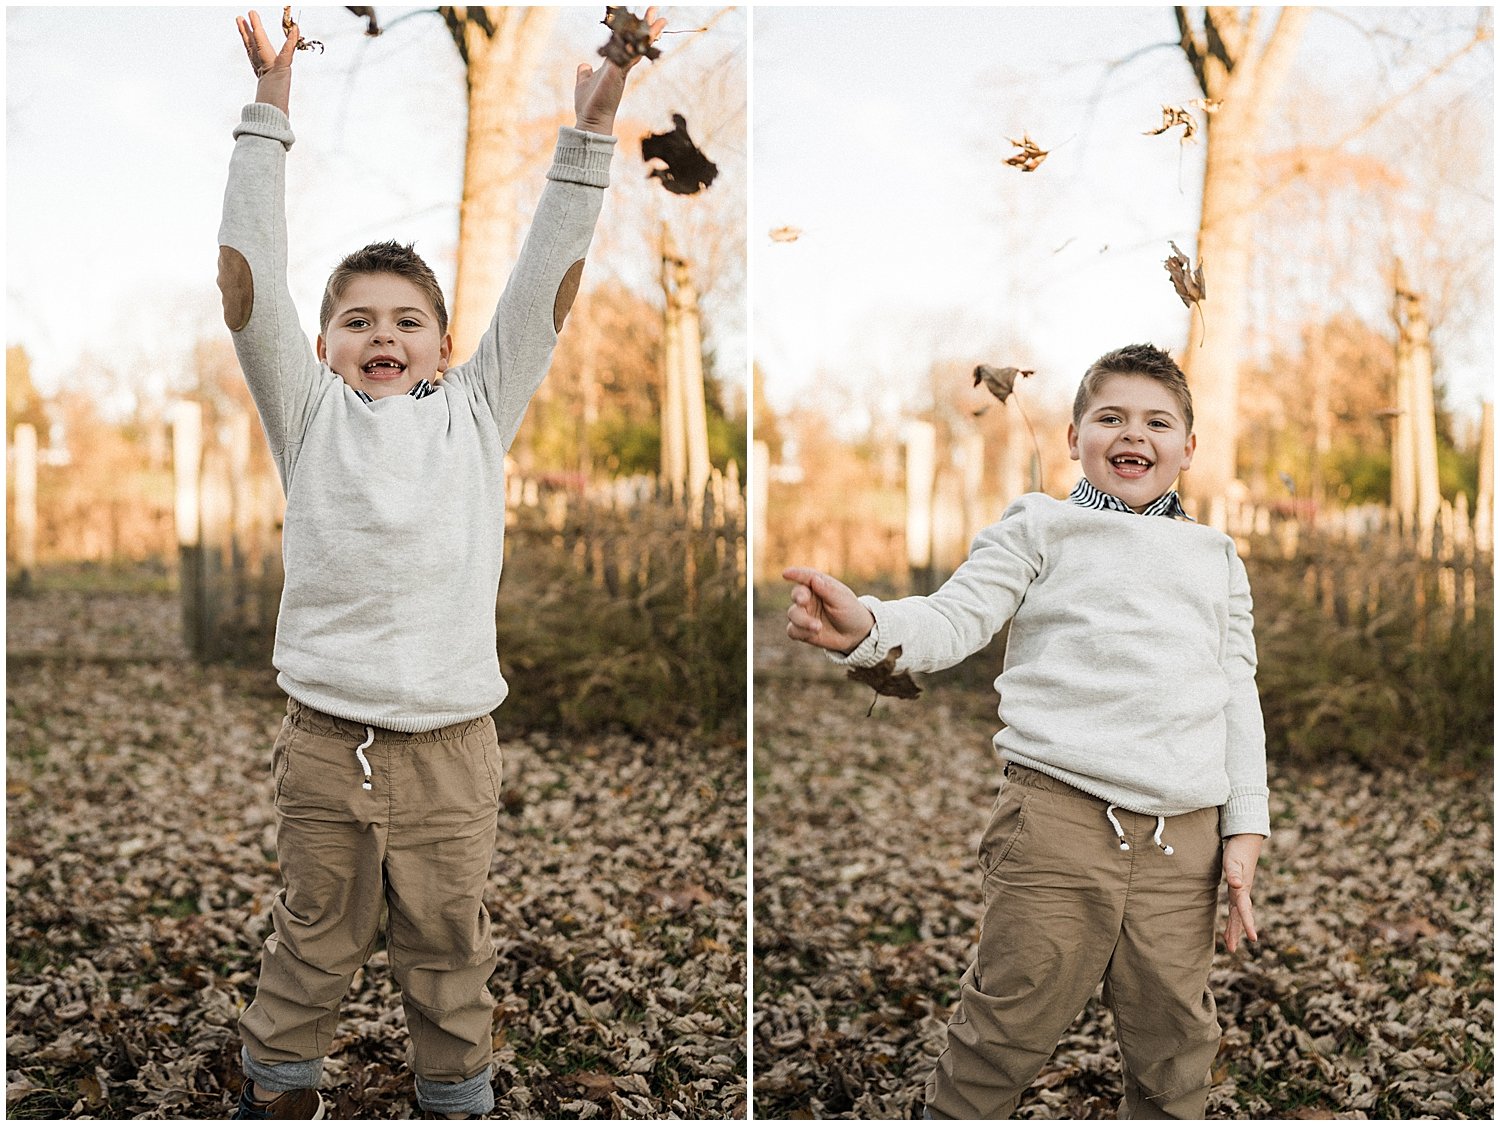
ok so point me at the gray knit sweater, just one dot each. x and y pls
(1130, 665)
(395, 509)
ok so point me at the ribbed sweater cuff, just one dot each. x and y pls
(1246, 811)
(870, 651)
(260, 119)
(582, 158)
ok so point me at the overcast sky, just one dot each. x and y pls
(881, 135)
(118, 130)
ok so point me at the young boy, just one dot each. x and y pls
(387, 769)
(1133, 745)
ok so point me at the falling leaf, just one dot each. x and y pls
(630, 38)
(999, 382)
(1030, 156)
(786, 234)
(1188, 282)
(886, 681)
(368, 15)
(287, 23)
(687, 170)
(1173, 116)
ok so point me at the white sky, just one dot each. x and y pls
(881, 134)
(118, 135)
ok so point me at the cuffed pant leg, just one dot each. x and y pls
(1054, 897)
(1157, 981)
(437, 870)
(325, 920)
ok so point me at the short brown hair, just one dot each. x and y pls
(388, 257)
(1135, 359)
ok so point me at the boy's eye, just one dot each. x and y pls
(355, 322)
(408, 322)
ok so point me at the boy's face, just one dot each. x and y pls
(383, 336)
(1132, 440)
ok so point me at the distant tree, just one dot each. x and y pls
(1241, 66)
(23, 403)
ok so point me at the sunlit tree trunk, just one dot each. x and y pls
(500, 48)
(1241, 67)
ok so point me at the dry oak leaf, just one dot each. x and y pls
(687, 170)
(631, 38)
(1187, 281)
(786, 234)
(1173, 116)
(886, 681)
(287, 23)
(1030, 155)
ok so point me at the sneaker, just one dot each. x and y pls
(302, 1103)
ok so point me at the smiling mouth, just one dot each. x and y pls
(383, 368)
(1131, 465)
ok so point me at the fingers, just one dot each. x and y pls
(585, 72)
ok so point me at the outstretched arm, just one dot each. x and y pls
(513, 354)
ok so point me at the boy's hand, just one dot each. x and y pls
(1241, 852)
(826, 613)
(272, 68)
(596, 95)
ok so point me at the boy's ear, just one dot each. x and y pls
(1072, 441)
(1192, 444)
(322, 350)
(445, 352)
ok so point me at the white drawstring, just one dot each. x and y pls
(1161, 823)
(360, 752)
(1110, 813)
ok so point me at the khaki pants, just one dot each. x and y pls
(1065, 908)
(417, 843)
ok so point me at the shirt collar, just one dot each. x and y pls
(1087, 496)
(419, 390)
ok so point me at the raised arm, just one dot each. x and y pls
(512, 357)
(275, 356)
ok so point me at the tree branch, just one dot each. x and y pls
(1190, 46)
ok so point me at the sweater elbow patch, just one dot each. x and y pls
(567, 290)
(236, 287)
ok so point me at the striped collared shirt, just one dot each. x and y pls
(420, 390)
(1168, 504)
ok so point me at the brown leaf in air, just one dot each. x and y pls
(999, 382)
(886, 680)
(1173, 116)
(687, 170)
(631, 38)
(1188, 282)
(287, 23)
(786, 234)
(1030, 156)
(372, 28)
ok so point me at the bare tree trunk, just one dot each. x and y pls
(1242, 69)
(500, 48)
(1414, 368)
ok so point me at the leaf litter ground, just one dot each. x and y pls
(1370, 996)
(141, 868)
